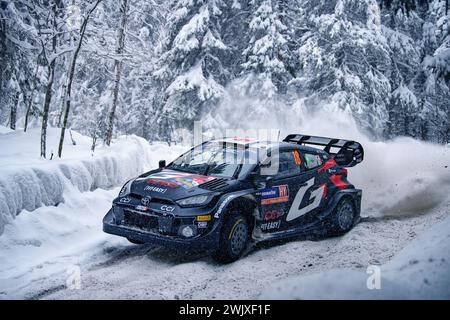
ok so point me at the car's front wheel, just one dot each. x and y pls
(234, 239)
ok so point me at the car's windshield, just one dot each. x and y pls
(216, 159)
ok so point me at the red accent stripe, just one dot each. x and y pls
(336, 179)
(330, 163)
(325, 189)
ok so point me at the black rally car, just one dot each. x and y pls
(223, 194)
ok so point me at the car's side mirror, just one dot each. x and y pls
(162, 164)
(269, 182)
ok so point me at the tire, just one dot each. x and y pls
(135, 241)
(234, 239)
(343, 217)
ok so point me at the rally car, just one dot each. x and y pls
(222, 195)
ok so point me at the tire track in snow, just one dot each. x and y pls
(131, 272)
(113, 268)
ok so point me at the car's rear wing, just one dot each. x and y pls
(346, 153)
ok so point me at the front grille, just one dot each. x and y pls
(154, 200)
(141, 221)
(214, 185)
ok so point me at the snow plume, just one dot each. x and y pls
(398, 177)
(419, 271)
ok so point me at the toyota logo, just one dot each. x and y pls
(145, 201)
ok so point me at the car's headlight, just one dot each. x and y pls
(126, 189)
(194, 201)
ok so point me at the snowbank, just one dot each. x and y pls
(52, 239)
(420, 271)
(28, 182)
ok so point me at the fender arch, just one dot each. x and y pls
(354, 194)
(244, 200)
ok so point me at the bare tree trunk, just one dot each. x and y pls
(47, 100)
(94, 141)
(118, 68)
(72, 139)
(62, 106)
(30, 99)
(68, 95)
(48, 90)
(13, 114)
(29, 107)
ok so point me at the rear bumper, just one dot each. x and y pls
(206, 242)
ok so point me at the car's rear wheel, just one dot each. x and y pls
(135, 241)
(233, 239)
(343, 217)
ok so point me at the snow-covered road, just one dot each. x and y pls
(110, 267)
(405, 186)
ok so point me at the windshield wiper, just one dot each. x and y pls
(208, 166)
(180, 168)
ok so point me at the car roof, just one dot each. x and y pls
(254, 143)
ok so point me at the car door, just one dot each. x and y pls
(276, 198)
(310, 192)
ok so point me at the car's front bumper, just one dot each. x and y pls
(208, 241)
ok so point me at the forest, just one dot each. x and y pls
(153, 67)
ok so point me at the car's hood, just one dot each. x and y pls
(175, 185)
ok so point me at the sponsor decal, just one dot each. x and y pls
(169, 174)
(297, 159)
(222, 205)
(238, 139)
(155, 189)
(125, 200)
(185, 182)
(163, 183)
(273, 214)
(270, 225)
(174, 179)
(146, 200)
(202, 224)
(141, 208)
(277, 194)
(167, 208)
(192, 180)
(316, 196)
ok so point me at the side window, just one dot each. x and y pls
(312, 161)
(289, 163)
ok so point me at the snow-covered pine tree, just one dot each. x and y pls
(264, 67)
(190, 71)
(390, 70)
(19, 48)
(143, 34)
(436, 69)
(401, 25)
(345, 59)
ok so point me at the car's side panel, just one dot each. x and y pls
(317, 225)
